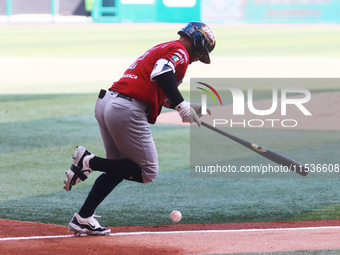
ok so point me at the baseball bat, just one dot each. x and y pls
(264, 152)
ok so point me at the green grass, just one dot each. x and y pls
(35, 107)
(117, 40)
(277, 41)
(302, 252)
(199, 200)
(326, 213)
(36, 151)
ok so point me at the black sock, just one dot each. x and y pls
(102, 187)
(123, 168)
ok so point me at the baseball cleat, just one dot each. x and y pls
(89, 226)
(80, 168)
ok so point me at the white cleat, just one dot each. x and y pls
(79, 169)
(89, 226)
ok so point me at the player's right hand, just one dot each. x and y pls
(187, 113)
(198, 109)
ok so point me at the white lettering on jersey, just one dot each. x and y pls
(131, 76)
(183, 54)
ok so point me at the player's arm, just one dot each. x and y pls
(164, 75)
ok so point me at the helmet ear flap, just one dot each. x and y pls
(200, 48)
(204, 52)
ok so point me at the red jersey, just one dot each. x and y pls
(136, 82)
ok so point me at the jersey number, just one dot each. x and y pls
(133, 66)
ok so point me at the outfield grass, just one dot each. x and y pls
(119, 40)
(39, 132)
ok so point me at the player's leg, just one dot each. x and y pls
(134, 140)
(114, 172)
(125, 133)
(127, 123)
(84, 221)
(79, 169)
(110, 113)
(106, 182)
(102, 187)
(131, 152)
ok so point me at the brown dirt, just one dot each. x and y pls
(234, 237)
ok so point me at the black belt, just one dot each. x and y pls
(103, 92)
(125, 97)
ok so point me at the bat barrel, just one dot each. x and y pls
(264, 152)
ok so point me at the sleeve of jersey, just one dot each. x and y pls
(162, 66)
(174, 59)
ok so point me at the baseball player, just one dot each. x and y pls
(124, 113)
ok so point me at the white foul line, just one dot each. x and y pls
(175, 232)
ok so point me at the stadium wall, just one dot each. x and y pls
(182, 11)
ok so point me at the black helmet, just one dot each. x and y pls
(202, 39)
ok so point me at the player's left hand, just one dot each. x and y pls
(198, 109)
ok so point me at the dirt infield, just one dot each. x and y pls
(17, 237)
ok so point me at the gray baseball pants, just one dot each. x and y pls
(125, 132)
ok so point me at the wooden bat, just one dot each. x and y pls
(264, 152)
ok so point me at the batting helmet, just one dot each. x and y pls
(202, 39)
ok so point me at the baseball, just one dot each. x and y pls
(175, 216)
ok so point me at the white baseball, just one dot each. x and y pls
(175, 216)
